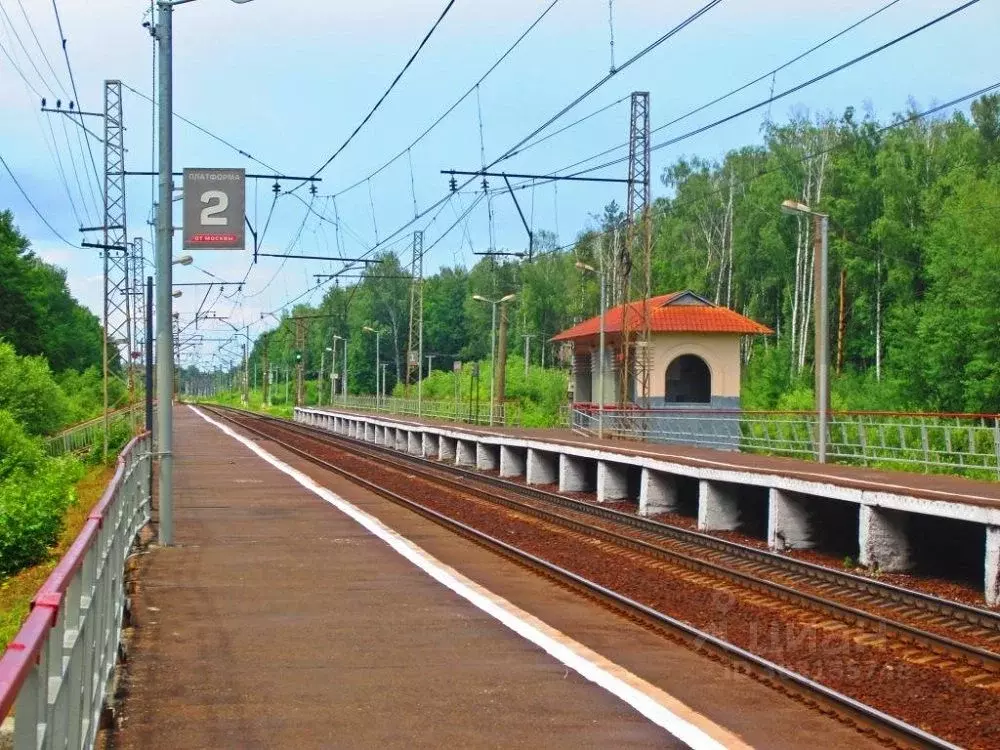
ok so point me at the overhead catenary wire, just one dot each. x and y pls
(31, 203)
(89, 152)
(205, 131)
(636, 57)
(41, 48)
(388, 91)
(753, 107)
(489, 71)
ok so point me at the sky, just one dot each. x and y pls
(288, 80)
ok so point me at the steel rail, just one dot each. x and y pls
(700, 640)
(935, 643)
(890, 593)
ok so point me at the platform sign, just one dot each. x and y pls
(214, 209)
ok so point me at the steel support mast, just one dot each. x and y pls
(415, 340)
(636, 282)
(117, 282)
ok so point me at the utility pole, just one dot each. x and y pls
(245, 399)
(267, 373)
(300, 355)
(501, 369)
(149, 366)
(527, 352)
(164, 269)
(842, 327)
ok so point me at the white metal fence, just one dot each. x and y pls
(84, 436)
(967, 443)
(450, 411)
(56, 671)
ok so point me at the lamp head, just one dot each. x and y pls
(795, 208)
(584, 267)
(481, 298)
(507, 298)
(184, 260)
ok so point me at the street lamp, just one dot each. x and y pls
(322, 368)
(163, 32)
(493, 343)
(184, 260)
(600, 376)
(178, 294)
(333, 360)
(821, 223)
(378, 336)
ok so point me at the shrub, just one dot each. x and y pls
(32, 506)
(29, 392)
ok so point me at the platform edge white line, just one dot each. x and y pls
(572, 654)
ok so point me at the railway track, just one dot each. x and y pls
(678, 555)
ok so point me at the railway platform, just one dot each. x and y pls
(300, 610)
(946, 527)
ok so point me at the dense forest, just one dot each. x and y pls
(914, 207)
(50, 377)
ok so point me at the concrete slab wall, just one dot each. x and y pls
(513, 461)
(543, 467)
(402, 440)
(431, 446)
(369, 432)
(992, 583)
(574, 474)
(657, 493)
(446, 448)
(718, 507)
(788, 523)
(415, 443)
(612, 481)
(487, 457)
(883, 540)
(465, 453)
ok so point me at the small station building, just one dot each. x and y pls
(694, 358)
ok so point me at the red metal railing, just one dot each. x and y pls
(56, 668)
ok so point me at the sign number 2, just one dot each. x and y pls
(216, 202)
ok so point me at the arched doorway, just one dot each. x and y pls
(689, 381)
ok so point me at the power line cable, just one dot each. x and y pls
(205, 131)
(627, 64)
(457, 102)
(385, 95)
(32, 204)
(639, 55)
(763, 103)
(41, 49)
(76, 96)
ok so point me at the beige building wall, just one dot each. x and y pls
(721, 352)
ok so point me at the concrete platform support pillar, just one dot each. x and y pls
(572, 474)
(401, 440)
(788, 524)
(512, 462)
(430, 447)
(718, 508)
(543, 468)
(446, 449)
(382, 436)
(487, 457)
(657, 493)
(883, 540)
(415, 444)
(369, 432)
(465, 453)
(612, 481)
(992, 588)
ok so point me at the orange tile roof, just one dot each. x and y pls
(665, 317)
